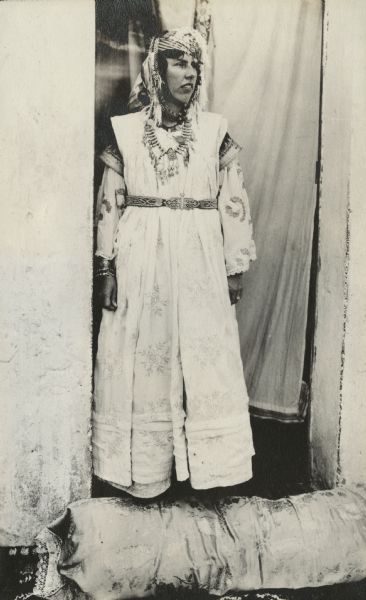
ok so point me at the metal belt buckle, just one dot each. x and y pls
(175, 203)
(192, 203)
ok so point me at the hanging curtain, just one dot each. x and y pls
(123, 32)
(266, 76)
(173, 13)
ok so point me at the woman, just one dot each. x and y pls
(174, 238)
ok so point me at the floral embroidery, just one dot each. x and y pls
(239, 173)
(231, 212)
(215, 403)
(156, 357)
(154, 302)
(193, 240)
(114, 445)
(241, 176)
(199, 291)
(153, 406)
(107, 205)
(236, 213)
(202, 19)
(153, 440)
(120, 197)
(203, 351)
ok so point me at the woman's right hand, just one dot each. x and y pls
(107, 292)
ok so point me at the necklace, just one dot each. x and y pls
(170, 115)
(165, 146)
(170, 127)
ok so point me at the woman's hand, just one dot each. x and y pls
(235, 283)
(107, 291)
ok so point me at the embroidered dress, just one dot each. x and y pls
(169, 384)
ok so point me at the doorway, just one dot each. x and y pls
(291, 125)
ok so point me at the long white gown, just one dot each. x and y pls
(169, 384)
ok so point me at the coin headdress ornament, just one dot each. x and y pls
(164, 147)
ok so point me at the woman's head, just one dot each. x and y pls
(180, 73)
(173, 71)
(179, 61)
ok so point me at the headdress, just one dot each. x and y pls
(164, 148)
(148, 86)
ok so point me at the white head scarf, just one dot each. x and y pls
(148, 86)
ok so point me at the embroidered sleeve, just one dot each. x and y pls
(228, 151)
(110, 204)
(233, 204)
(112, 158)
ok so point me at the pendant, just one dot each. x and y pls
(163, 156)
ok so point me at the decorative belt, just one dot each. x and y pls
(179, 202)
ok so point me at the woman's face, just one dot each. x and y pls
(181, 78)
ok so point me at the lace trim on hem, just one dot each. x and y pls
(238, 271)
(48, 579)
(240, 265)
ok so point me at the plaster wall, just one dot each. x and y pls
(338, 402)
(352, 440)
(46, 146)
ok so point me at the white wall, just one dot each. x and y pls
(352, 442)
(46, 158)
(338, 402)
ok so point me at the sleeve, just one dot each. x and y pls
(233, 205)
(110, 204)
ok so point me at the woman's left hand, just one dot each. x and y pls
(235, 283)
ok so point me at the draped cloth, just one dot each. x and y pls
(113, 549)
(266, 80)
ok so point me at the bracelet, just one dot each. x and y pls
(104, 262)
(105, 273)
(104, 267)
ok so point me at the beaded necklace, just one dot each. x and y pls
(170, 114)
(164, 147)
